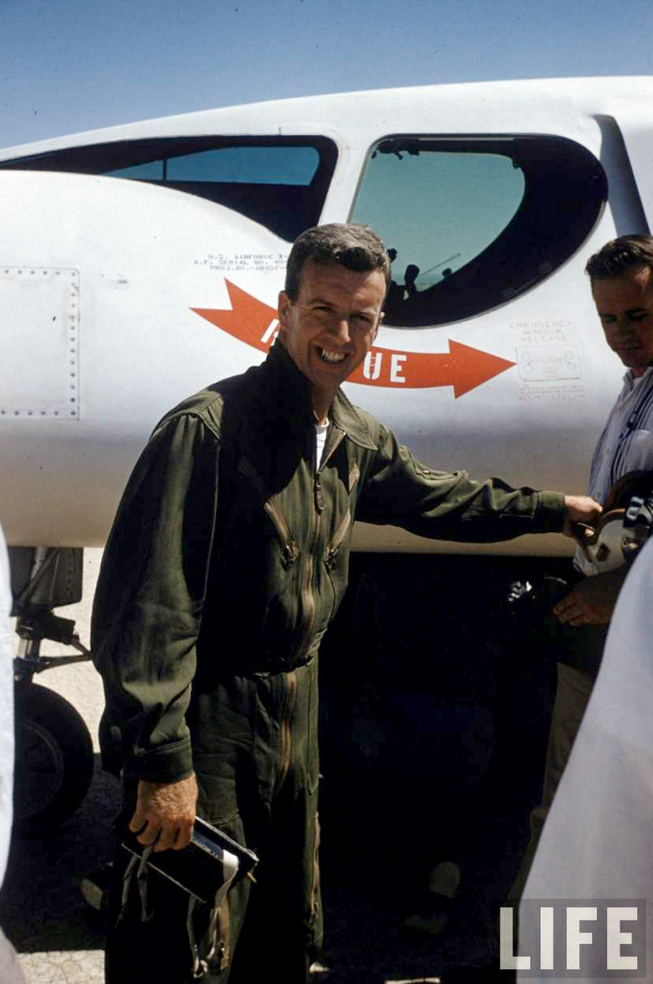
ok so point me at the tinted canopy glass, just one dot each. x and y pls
(473, 222)
(279, 182)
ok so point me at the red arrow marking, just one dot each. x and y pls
(463, 367)
(248, 320)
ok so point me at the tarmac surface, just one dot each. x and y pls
(59, 939)
(381, 834)
(369, 885)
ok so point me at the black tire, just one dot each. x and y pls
(54, 760)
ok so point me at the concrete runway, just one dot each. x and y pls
(59, 939)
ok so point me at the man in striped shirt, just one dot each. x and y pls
(621, 275)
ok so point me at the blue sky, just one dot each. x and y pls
(72, 65)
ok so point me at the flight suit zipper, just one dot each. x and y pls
(336, 543)
(289, 548)
(315, 886)
(285, 727)
(345, 523)
(318, 504)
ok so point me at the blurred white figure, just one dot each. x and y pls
(597, 842)
(10, 972)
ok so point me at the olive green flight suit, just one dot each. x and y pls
(227, 560)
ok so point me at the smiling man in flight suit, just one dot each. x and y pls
(227, 561)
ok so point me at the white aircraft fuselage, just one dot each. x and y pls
(121, 297)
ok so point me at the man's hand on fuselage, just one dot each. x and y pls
(165, 813)
(592, 601)
(580, 509)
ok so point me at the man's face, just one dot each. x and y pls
(331, 326)
(625, 307)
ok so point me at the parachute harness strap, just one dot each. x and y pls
(141, 878)
(216, 947)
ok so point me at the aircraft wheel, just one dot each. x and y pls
(54, 760)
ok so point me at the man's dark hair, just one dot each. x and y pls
(620, 255)
(356, 247)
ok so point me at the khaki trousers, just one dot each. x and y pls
(572, 695)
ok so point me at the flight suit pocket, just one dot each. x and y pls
(289, 547)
